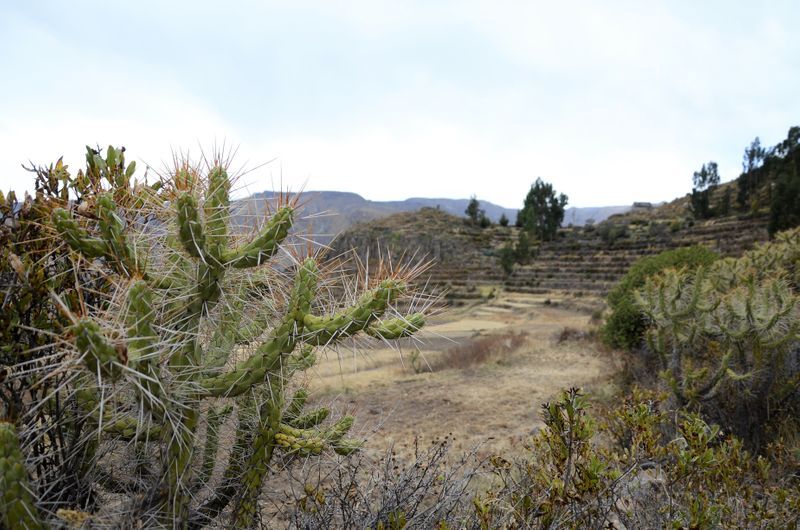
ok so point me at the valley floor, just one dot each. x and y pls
(397, 395)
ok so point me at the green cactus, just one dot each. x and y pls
(182, 343)
(723, 332)
(17, 509)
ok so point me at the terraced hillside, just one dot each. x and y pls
(582, 261)
(591, 261)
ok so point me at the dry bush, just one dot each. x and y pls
(570, 334)
(479, 350)
(425, 492)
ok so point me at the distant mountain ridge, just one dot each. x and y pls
(328, 213)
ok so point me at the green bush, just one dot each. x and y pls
(611, 232)
(625, 326)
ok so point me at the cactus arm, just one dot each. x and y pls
(249, 372)
(216, 417)
(143, 346)
(306, 441)
(309, 420)
(257, 465)
(298, 401)
(265, 245)
(99, 356)
(226, 490)
(112, 228)
(190, 229)
(396, 328)
(76, 237)
(370, 306)
(216, 210)
(17, 508)
(127, 428)
(223, 340)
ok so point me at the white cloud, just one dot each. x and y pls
(612, 104)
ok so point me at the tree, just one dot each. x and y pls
(503, 220)
(543, 211)
(705, 181)
(474, 210)
(750, 180)
(753, 156)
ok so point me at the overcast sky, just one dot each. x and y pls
(611, 101)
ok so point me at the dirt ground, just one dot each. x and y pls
(396, 397)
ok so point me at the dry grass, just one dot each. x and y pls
(480, 350)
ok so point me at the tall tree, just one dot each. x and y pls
(543, 210)
(705, 181)
(474, 210)
(750, 180)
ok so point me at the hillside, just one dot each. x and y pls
(328, 213)
(585, 260)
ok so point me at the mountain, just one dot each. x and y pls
(579, 216)
(328, 213)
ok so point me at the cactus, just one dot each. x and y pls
(725, 333)
(182, 343)
(17, 509)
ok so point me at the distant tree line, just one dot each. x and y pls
(770, 180)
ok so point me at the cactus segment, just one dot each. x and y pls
(297, 403)
(143, 344)
(216, 417)
(216, 210)
(99, 356)
(310, 419)
(265, 245)
(397, 327)
(371, 305)
(76, 237)
(112, 227)
(190, 229)
(17, 509)
(249, 372)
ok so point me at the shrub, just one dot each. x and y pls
(479, 350)
(507, 258)
(610, 232)
(696, 477)
(626, 324)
